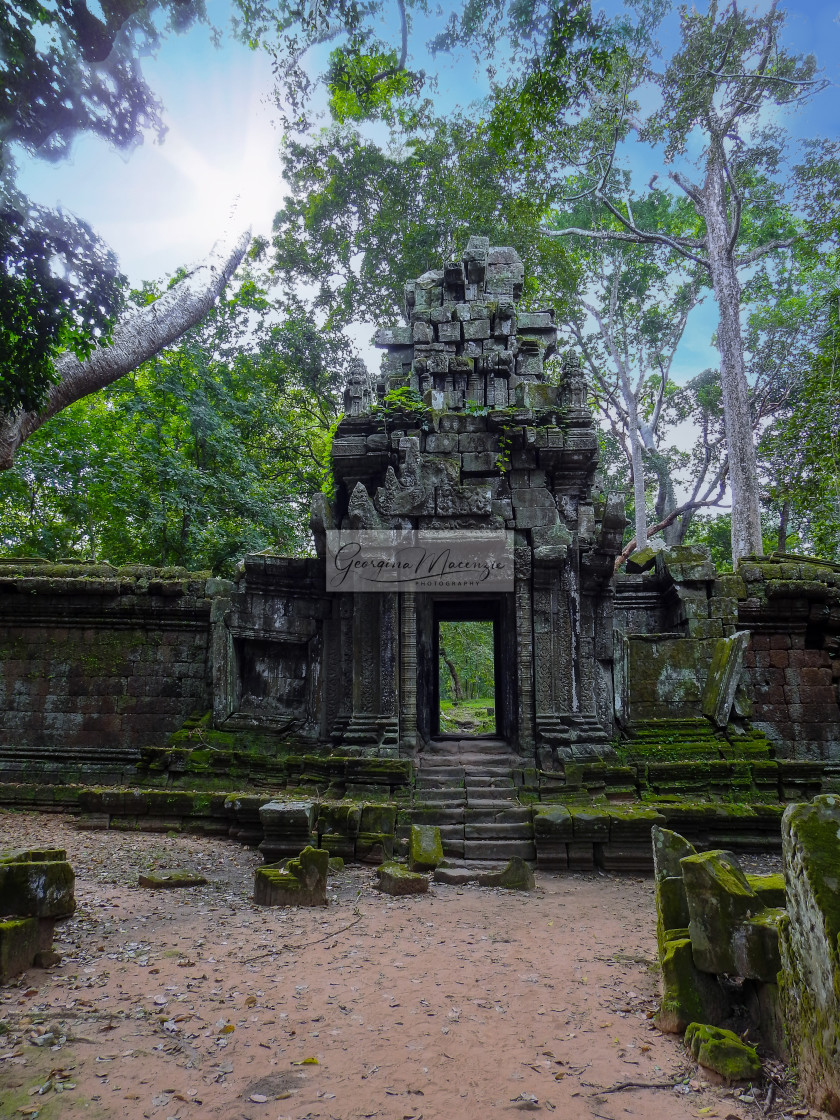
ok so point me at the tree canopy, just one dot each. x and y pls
(66, 68)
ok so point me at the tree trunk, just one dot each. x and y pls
(743, 473)
(457, 688)
(638, 471)
(784, 517)
(135, 339)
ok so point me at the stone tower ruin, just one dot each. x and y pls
(462, 432)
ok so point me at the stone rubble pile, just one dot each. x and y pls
(778, 937)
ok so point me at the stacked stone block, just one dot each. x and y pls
(36, 890)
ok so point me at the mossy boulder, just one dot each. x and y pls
(730, 928)
(669, 889)
(516, 875)
(395, 878)
(687, 993)
(167, 880)
(810, 978)
(298, 882)
(722, 1052)
(425, 848)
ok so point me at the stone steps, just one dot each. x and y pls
(499, 849)
(499, 830)
(443, 796)
(490, 814)
(467, 789)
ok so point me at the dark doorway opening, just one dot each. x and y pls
(467, 657)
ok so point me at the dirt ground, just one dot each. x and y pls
(458, 1004)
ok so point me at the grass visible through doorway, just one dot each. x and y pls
(467, 686)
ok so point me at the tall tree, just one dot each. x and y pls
(729, 73)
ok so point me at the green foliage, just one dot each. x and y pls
(800, 450)
(364, 87)
(60, 289)
(403, 403)
(361, 220)
(469, 645)
(206, 452)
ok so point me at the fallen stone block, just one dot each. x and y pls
(374, 847)
(455, 876)
(515, 876)
(769, 888)
(299, 882)
(731, 930)
(425, 850)
(810, 980)
(397, 879)
(171, 879)
(722, 1052)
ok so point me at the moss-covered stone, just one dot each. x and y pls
(687, 994)
(810, 977)
(516, 875)
(722, 1052)
(425, 849)
(731, 930)
(298, 882)
(33, 855)
(378, 818)
(19, 943)
(374, 847)
(668, 849)
(769, 888)
(163, 880)
(37, 889)
(396, 879)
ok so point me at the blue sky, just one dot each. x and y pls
(163, 205)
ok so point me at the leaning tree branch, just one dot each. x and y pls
(763, 250)
(394, 70)
(686, 507)
(136, 339)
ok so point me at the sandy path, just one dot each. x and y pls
(197, 1003)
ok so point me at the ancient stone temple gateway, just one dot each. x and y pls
(493, 446)
(668, 694)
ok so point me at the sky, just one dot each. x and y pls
(164, 204)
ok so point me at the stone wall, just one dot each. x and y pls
(674, 618)
(97, 662)
(792, 668)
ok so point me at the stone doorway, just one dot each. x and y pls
(466, 650)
